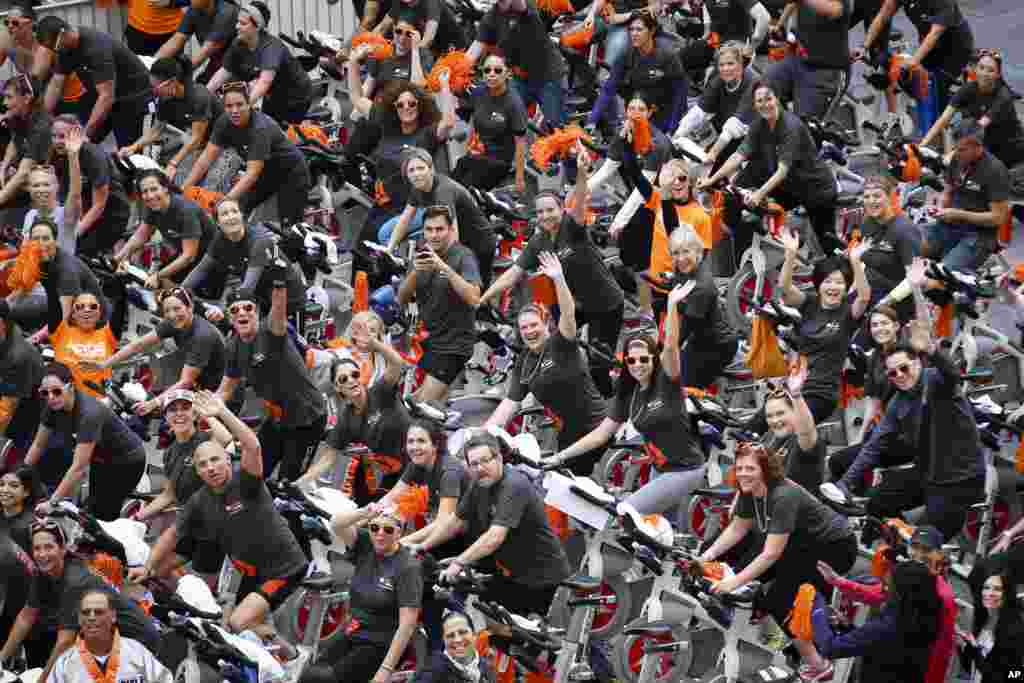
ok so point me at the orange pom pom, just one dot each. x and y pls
(382, 48)
(413, 502)
(800, 624)
(460, 72)
(207, 199)
(1018, 457)
(26, 271)
(881, 564)
(578, 39)
(555, 7)
(641, 135)
(558, 145)
(308, 131)
(107, 568)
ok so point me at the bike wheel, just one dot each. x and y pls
(628, 653)
(740, 298)
(610, 619)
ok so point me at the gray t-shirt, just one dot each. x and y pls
(450, 321)
(448, 478)
(277, 373)
(531, 553)
(179, 468)
(447, 192)
(202, 346)
(790, 509)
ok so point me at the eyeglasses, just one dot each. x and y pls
(902, 369)
(642, 360)
(482, 462)
(383, 529)
(494, 70)
(44, 393)
(93, 306)
(235, 309)
(407, 104)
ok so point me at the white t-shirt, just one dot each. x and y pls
(138, 665)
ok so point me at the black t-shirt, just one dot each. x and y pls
(893, 247)
(92, 421)
(448, 478)
(32, 136)
(179, 468)
(791, 143)
(198, 104)
(956, 44)
(58, 601)
(659, 73)
(803, 467)
(559, 378)
(524, 40)
(589, 279)
(531, 553)
(1004, 135)
(978, 185)
(450, 321)
(390, 151)
(417, 13)
(651, 160)
(99, 59)
(220, 26)
(498, 120)
(790, 509)
(291, 82)
(826, 39)
(71, 274)
(97, 170)
(183, 219)
(703, 321)
(722, 103)
(244, 523)
(730, 19)
(876, 381)
(824, 337)
(398, 68)
(277, 372)
(262, 140)
(19, 527)
(15, 572)
(202, 347)
(467, 214)
(380, 587)
(381, 427)
(660, 415)
(21, 371)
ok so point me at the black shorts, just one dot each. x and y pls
(144, 44)
(274, 590)
(205, 555)
(444, 367)
(518, 597)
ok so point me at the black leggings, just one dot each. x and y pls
(292, 192)
(604, 328)
(109, 486)
(702, 366)
(291, 447)
(348, 660)
(483, 173)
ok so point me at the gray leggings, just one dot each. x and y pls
(668, 490)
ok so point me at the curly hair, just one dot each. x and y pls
(429, 114)
(772, 463)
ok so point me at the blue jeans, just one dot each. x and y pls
(414, 231)
(548, 94)
(961, 247)
(616, 43)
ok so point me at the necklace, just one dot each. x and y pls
(536, 367)
(733, 88)
(761, 516)
(634, 414)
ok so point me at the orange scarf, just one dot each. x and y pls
(113, 663)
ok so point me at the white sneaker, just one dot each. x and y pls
(293, 668)
(833, 493)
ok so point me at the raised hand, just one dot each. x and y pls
(858, 251)
(797, 376)
(917, 271)
(680, 292)
(208, 404)
(551, 266)
(75, 138)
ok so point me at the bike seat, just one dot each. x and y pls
(847, 199)
(743, 597)
(719, 492)
(739, 372)
(895, 35)
(531, 411)
(635, 441)
(318, 582)
(652, 629)
(582, 582)
(319, 115)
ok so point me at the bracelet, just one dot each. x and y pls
(386, 667)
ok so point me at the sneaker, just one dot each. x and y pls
(294, 667)
(817, 675)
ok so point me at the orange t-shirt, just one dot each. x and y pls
(72, 345)
(154, 21)
(73, 88)
(691, 214)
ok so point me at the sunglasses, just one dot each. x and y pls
(642, 360)
(176, 292)
(903, 369)
(241, 308)
(44, 393)
(407, 104)
(383, 529)
(235, 86)
(346, 376)
(48, 525)
(494, 70)
(87, 307)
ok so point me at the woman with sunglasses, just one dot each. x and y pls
(386, 592)
(19, 490)
(257, 55)
(113, 454)
(649, 395)
(459, 661)
(184, 226)
(651, 64)
(499, 130)
(196, 338)
(274, 166)
(182, 103)
(81, 338)
(29, 125)
(374, 416)
(409, 61)
(989, 101)
(354, 344)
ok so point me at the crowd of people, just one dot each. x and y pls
(64, 187)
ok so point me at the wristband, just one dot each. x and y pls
(388, 668)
